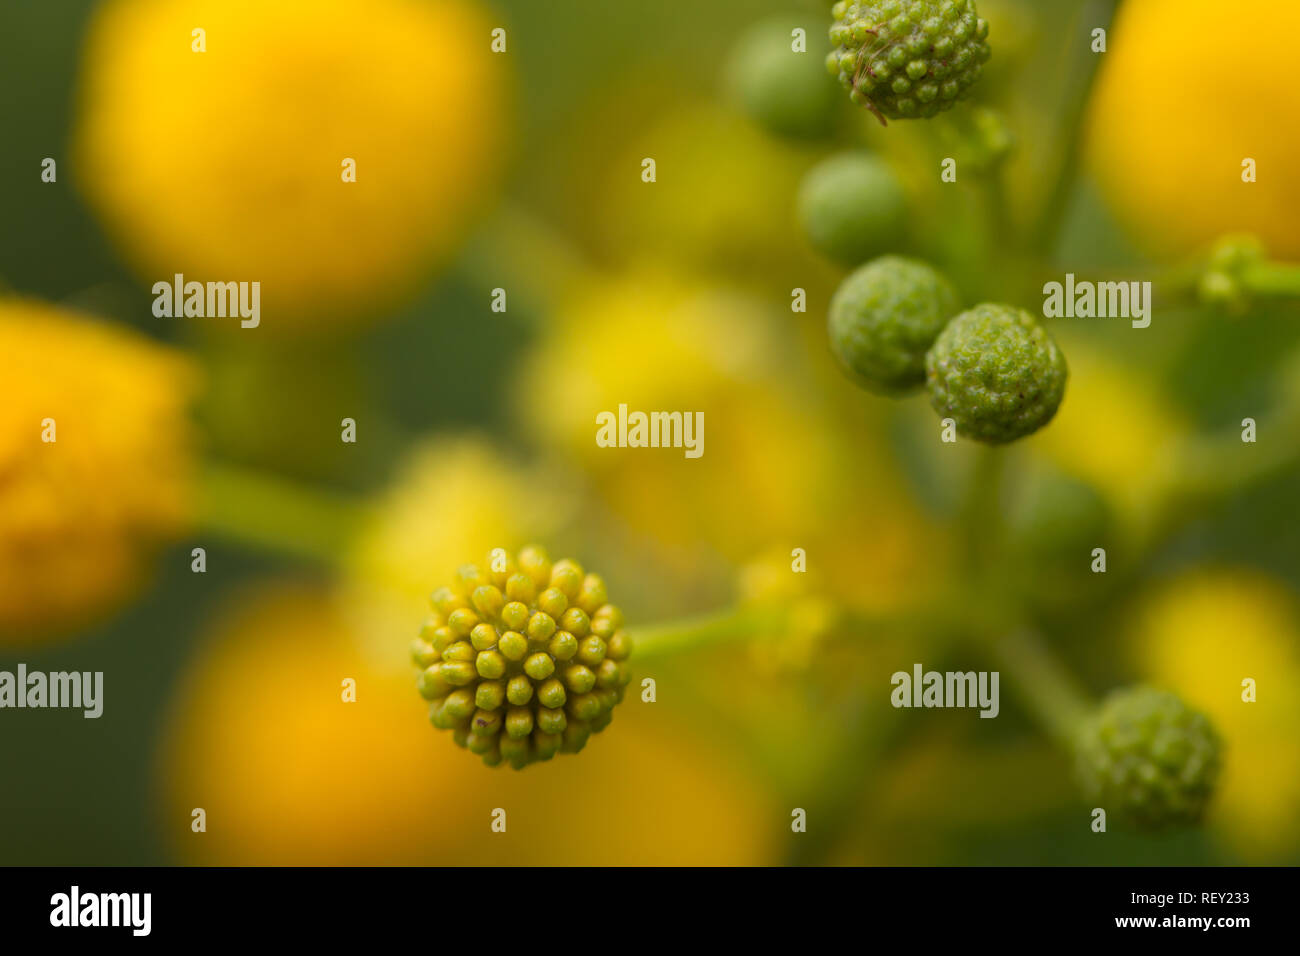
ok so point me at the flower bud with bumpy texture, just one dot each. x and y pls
(852, 207)
(884, 317)
(907, 59)
(1148, 759)
(997, 373)
(524, 660)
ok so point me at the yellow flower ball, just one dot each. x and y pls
(286, 771)
(1188, 90)
(229, 164)
(1200, 635)
(95, 465)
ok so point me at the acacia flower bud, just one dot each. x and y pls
(511, 684)
(1147, 758)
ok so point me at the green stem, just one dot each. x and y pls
(723, 627)
(1048, 225)
(1280, 279)
(1045, 688)
(982, 513)
(274, 514)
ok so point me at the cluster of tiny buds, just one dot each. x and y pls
(524, 660)
(907, 58)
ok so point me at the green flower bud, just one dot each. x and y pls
(488, 599)
(541, 626)
(997, 373)
(786, 92)
(576, 622)
(539, 666)
(563, 646)
(536, 563)
(483, 636)
(431, 685)
(553, 602)
(513, 645)
(520, 588)
(493, 659)
(566, 577)
(1148, 759)
(593, 594)
(579, 678)
(905, 59)
(551, 721)
(515, 614)
(885, 317)
(551, 693)
(445, 600)
(423, 653)
(852, 207)
(489, 695)
(490, 664)
(462, 621)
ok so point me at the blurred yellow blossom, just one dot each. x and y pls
(288, 772)
(229, 164)
(1202, 634)
(95, 465)
(452, 502)
(1189, 91)
(775, 468)
(1114, 430)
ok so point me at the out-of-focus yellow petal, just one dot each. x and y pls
(227, 165)
(1188, 90)
(81, 515)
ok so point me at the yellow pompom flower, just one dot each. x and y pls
(95, 465)
(287, 770)
(1189, 90)
(1202, 635)
(231, 163)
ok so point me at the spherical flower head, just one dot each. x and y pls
(907, 59)
(997, 373)
(96, 455)
(1148, 759)
(883, 319)
(852, 207)
(259, 126)
(523, 660)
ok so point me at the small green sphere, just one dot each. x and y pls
(1148, 759)
(907, 59)
(852, 207)
(474, 662)
(883, 319)
(784, 90)
(997, 373)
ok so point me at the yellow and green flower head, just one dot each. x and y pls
(523, 659)
(334, 152)
(95, 454)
